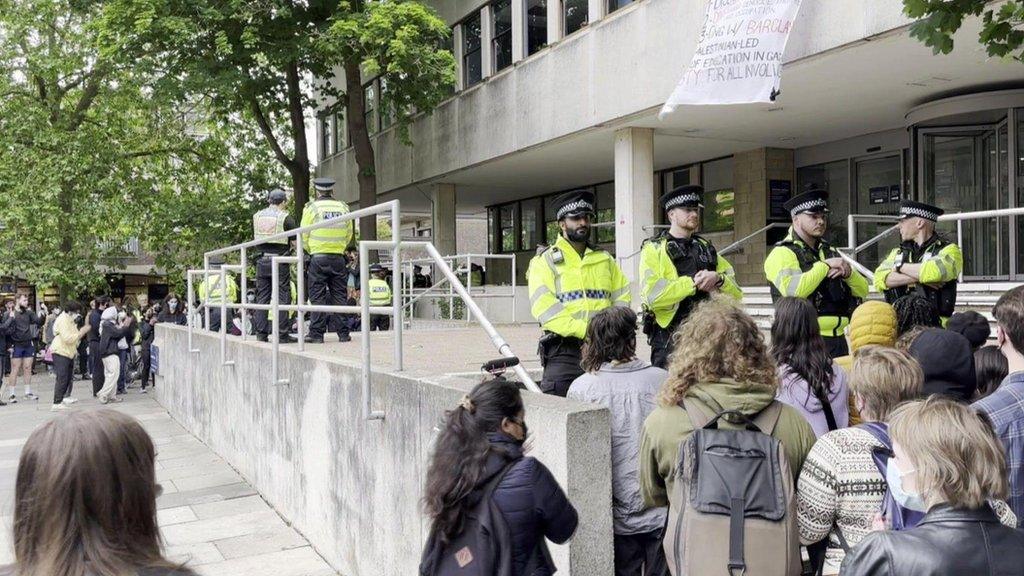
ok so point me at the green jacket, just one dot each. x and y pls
(667, 427)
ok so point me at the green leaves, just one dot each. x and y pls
(1002, 32)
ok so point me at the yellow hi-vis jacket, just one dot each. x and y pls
(332, 239)
(662, 289)
(566, 289)
(380, 292)
(269, 222)
(213, 294)
(941, 263)
(783, 271)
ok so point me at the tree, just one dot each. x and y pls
(257, 60)
(399, 41)
(1002, 31)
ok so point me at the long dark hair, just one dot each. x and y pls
(461, 451)
(85, 498)
(990, 368)
(797, 343)
(611, 335)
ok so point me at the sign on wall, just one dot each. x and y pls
(779, 192)
(739, 54)
(154, 359)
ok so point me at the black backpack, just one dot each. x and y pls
(483, 548)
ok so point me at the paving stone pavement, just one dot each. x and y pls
(210, 518)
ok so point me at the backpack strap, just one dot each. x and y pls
(826, 407)
(697, 417)
(767, 418)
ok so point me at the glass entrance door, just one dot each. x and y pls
(965, 170)
(879, 190)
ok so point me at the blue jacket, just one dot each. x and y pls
(532, 503)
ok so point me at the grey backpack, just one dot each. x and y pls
(733, 511)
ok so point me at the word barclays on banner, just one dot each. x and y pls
(739, 54)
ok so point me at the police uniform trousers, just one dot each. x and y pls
(264, 290)
(328, 285)
(836, 346)
(214, 317)
(560, 357)
(380, 322)
(661, 345)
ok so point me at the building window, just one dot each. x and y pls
(507, 230)
(471, 63)
(614, 5)
(502, 34)
(833, 177)
(529, 219)
(574, 14)
(536, 25)
(339, 132)
(605, 213)
(370, 114)
(719, 198)
(325, 136)
(387, 110)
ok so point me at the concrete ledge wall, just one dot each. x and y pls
(353, 486)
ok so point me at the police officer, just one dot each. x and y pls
(212, 293)
(568, 283)
(380, 295)
(266, 223)
(924, 263)
(679, 269)
(804, 265)
(328, 268)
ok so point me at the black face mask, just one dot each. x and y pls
(526, 431)
(580, 234)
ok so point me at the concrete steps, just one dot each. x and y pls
(977, 296)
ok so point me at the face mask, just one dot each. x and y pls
(581, 234)
(894, 478)
(173, 304)
(526, 431)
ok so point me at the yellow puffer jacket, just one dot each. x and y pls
(873, 323)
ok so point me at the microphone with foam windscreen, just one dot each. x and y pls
(499, 365)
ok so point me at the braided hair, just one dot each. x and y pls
(914, 310)
(460, 453)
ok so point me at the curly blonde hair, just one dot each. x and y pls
(718, 341)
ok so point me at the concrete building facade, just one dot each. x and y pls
(561, 94)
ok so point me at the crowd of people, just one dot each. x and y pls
(104, 342)
(902, 457)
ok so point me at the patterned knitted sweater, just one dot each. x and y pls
(840, 485)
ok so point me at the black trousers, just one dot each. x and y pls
(836, 346)
(661, 345)
(380, 322)
(214, 318)
(264, 290)
(328, 285)
(97, 367)
(64, 368)
(640, 555)
(560, 358)
(147, 358)
(83, 358)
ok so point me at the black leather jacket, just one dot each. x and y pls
(947, 542)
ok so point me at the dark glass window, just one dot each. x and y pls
(339, 132)
(614, 5)
(536, 25)
(387, 111)
(574, 14)
(719, 198)
(502, 34)
(529, 216)
(325, 136)
(472, 71)
(370, 95)
(507, 232)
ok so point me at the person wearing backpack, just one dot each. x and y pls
(946, 460)
(717, 413)
(627, 386)
(490, 507)
(811, 381)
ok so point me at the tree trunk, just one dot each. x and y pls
(300, 164)
(355, 116)
(66, 202)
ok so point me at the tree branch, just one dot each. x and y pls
(268, 132)
(92, 89)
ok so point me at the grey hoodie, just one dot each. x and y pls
(629, 391)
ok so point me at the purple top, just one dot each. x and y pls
(793, 390)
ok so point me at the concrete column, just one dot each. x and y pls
(554, 21)
(634, 194)
(442, 217)
(518, 30)
(596, 10)
(457, 46)
(487, 41)
(751, 172)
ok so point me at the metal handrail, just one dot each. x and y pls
(737, 244)
(469, 279)
(364, 309)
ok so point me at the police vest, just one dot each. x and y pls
(380, 292)
(833, 296)
(943, 298)
(269, 222)
(214, 292)
(331, 239)
(689, 257)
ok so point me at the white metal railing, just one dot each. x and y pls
(414, 294)
(853, 249)
(301, 307)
